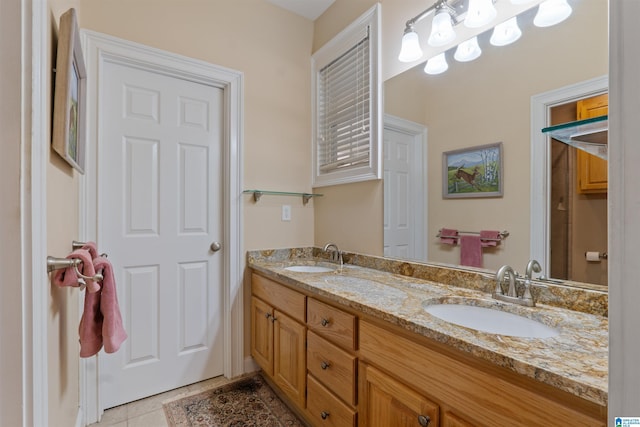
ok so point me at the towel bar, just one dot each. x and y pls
(503, 234)
(54, 263)
(60, 263)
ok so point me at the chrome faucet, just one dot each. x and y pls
(336, 255)
(511, 292)
(514, 280)
(532, 266)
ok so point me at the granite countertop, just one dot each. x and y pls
(576, 360)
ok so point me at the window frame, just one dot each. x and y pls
(334, 49)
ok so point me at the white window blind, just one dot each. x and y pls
(344, 121)
(346, 102)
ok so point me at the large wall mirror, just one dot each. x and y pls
(488, 101)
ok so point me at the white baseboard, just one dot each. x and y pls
(250, 365)
(80, 419)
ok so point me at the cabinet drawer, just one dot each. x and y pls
(325, 409)
(279, 296)
(332, 366)
(332, 323)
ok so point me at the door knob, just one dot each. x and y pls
(215, 247)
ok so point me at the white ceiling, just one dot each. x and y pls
(310, 9)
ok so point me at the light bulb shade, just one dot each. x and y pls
(441, 30)
(552, 12)
(480, 13)
(468, 50)
(506, 33)
(521, 1)
(436, 65)
(410, 50)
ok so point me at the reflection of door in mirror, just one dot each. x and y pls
(404, 189)
(578, 208)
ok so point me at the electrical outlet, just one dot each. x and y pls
(286, 212)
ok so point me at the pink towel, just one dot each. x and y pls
(90, 329)
(69, 277)
(113, 333)
(101, 321)
(448, 236)
(471, 251)
(489, 238)
(92, 248)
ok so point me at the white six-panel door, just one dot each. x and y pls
(159, 184)
(404, 190)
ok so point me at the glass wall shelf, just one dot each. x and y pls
(259, 193)
(590, 135)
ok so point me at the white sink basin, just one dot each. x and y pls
(491, 320)
(309, 269)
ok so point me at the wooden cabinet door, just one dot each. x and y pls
(387, 402)
(289, 367)
(262, 334)
(592, 170)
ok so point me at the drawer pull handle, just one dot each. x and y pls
(324, 322)
(274, 318)
(267, 315)
(324, 415)
(424, 420)
(325, 365)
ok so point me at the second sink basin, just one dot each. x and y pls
(487, 319)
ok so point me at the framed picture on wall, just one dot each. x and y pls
(472, 172)
(69, 108)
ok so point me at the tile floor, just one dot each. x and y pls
(148, 412)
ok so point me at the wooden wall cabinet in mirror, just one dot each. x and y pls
(592, 170)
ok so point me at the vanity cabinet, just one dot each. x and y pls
(591, 170)
(468, 391)
(390, 403)
(278, 335)
(343, 368)
(332, 365)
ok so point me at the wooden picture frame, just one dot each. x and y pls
(472, 172)
(69, 108)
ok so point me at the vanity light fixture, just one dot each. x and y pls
(436, 65)
(468, 50)
(552, 12)
(480, 13)
(506, 33)
(474, 14)
(442, 31)
(410, 50)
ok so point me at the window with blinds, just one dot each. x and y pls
(346, 103)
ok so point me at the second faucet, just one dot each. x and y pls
(336, 255)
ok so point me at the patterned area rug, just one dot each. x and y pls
(246, 402)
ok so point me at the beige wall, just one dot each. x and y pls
(62, 229)
(458, 115)
(349, 215)
(271, 47)
(10, 241)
